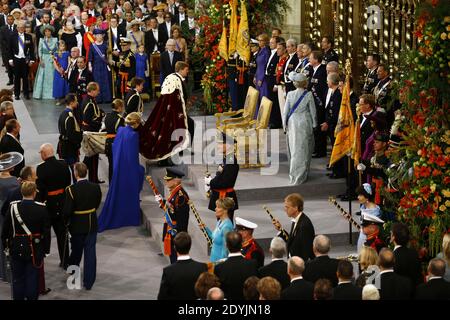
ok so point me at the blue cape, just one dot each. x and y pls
(121, 206)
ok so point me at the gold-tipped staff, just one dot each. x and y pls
(285, 234)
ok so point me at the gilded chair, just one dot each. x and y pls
(246, 114)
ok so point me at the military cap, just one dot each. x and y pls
(244, 224)
(172, 173)
(369, 219)
(124, 41)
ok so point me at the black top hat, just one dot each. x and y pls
(172, 173)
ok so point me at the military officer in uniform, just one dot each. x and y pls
(382, 92)
(80, 214)
(113, 121)
(133, 99)
(78, 81)
(271, 79)
(251, 250)
(92, 121)
(371, 80)
(53, 176)
(222, 185)
(70, 134)
(254, 48)
(126, 67)
(24, 230)
(327, 50)
(178, 208)
(371, 228)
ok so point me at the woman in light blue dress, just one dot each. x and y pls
(43, 84)
(224, 225)
(366, 197)
(299, 120)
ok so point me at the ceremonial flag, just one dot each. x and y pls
(345, 128)
(233, 28)
(223, 47)
(243, 36)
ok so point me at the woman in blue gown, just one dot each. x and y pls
(98, 64)
(122, 204)
(43, 84)
(60, 85)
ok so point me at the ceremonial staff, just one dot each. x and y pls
(285, 235)
(346, 215)
(207, 174)
(200, 223)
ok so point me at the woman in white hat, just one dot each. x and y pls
(48, 46)
(299, 120)
(135, 35)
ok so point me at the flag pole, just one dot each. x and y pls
(349, 171)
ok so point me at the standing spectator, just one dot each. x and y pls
(299, 289)
(407, 261)
(371, 81)
(254, 49)
(224, 226)
(205, 282)
(10, 143)
(291, 63)
(261, 64)
(78, 82)
(21, 55)
(152, 40)
(80, 213)
(6, 31)
(60, 85)
(436, 287)
(329, 54)
(98, 65)
(321, 267)
(278, 267)
(165, 28)
(53, 177)
(251, 250)
(367, 106)
(168, 59)
(301, 236)
(270, 78)
(393, 286)
(445, 255)
(70, 36)
(345, 290)
(269, 289)
(27, 256)
(133, 99)
(113, 121)
(367, 257)
(43, 84)
(135, 35)
(189, 28)
(178, 280)
(279, 87)
(232, 281)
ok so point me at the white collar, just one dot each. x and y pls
(236, 254)
(15, 138)
(180, 76)
(344, 282)
(277, 259)
(316, 67)
(82, 179)
(433, 277)
(296, 278)
(191, 19)
(274, 51)
(396, 247)
(295, 220)
(387, 271)
(183, 257)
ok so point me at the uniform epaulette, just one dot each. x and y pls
(15, 201)
(40, 203)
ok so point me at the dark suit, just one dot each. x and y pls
(133, 102)
(319, 88)
(321, 267)
(394, 287)
(70, 137)
(80, 213)
(300, 241)
(299, 289)
(178, 280)
(5, 35)
(188, 34)
(276, 269)
(164, 33)
(270, 80)
(225, 180)
(78, 84)
(347, 291)
(232, 282)
(289, 67)
(21, 65)
(9, 144)
(332, 112)
(53, 176)
(434, 289)
(407, 264)
(167, 67)
(26, 258)
(2, 19)
(150, 42)
(366, 132)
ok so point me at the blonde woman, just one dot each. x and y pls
(135, 35)
(367, 257)
(224, 225)
(445, 255)
(180, 42)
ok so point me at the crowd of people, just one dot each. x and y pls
(84, 54)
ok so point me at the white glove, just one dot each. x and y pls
(361, 167)
(207, 182)
(158, 198)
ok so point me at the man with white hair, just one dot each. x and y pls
(21, 55)
(53, 176)
(215, 294)
(299, 289)
(322, 267)
(278, 267)
(168, 59)
(370, 292)
(332, 66)
(291, 64)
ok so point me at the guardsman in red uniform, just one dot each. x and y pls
(371, 227)
(251, 250)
